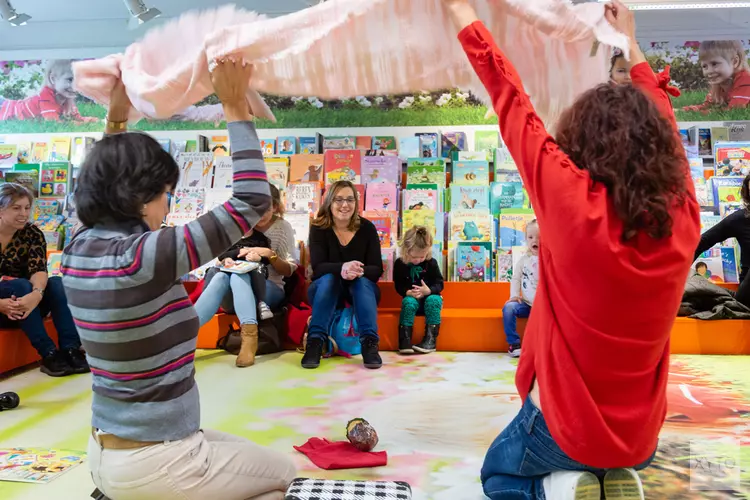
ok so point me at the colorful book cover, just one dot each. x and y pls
(718, 134)
(165, 144)
(79, 149)
(381, 169)
(29, 179)
(425, 171)
(300, 222)
(360, 188)
(343, 165)
(512, 227)
(704, 142)
(25, 150)
(303, 197)
(339, 142)
(306, 168)
(46, 207)
(702, 193)
(504, 195)
(473, 261)
(381, 196)
(715, 264)
(268, 147)
(383, 225)
(471, 225)
(388, 255)
(55, 180)
(219, 145)
(409, 147)
(729, 208)
(381, 152)
(39, 153)
(429, 145)
(195, 169)
(487, 141)
(422, 197)
(287, 145)
(732, 159)
(391, 215)
(451, 142)
(54, 261)
(308, 146)
(178, 147)
(384, 142)
(223, 173)
(471, 156)
(469, 197)
(363, 142)
(471, 172)
(59, 149)
(726, 189)
(191, 146)
(187, 205)
(424, 218)
(8, 155)
(506, 169)
(37, 465)
(277, 169)
(504, 261)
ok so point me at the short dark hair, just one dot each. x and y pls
(701, 264)
(120, 174)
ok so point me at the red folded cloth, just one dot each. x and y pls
(340, 455)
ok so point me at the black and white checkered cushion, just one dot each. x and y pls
(326, 489)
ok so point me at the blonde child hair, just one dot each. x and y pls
(731, 51)
(418, 237)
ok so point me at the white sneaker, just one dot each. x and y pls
(567, 485)
(265, 311)
(623, 484)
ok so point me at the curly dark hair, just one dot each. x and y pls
(120, 174)
(621, 138)
(745, 194)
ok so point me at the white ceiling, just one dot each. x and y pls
(94, 28)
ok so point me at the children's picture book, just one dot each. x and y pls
(218, 145)
(178, 147)
(240, 267)
(389, 215)
(722, 263)
(187, 205)
(363, 142)
(303, 197)
(360, 189)
(726, 189)
(473, 262)
(286, 145)
(512, 227)
(39, 153)
(506, 169)
(37, 465)
(277, 169)
(381, 196)
(409, 147)
(429, 145)
(504, 195)
(223, 173)
(381, 169)
(732, 159)
(384, 224)
(504, 265)
(704, 142)
(451, 142)
(729, 208)
(425, 171)
(8, 155)
(426, 218)
(469, 197)
(306, 168)
(195, 169)
(486, 141)
(54, 261)
(23, 155)
(79, 149)
(471, 172)
(46, 207)
(339, 142)
(300, 222)
(308, 146)
(59, 149)
(343, 165)
(165, 144)
(28, 178)
(388, 255)
(471, 156)
(55, 179)
(268, 147)
(702, 193)
(384, 142)
(471, 225)
(381, 152)
(422, 197)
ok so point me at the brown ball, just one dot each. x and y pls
(361, 434)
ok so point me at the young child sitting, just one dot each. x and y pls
(522, 289)
(725, 66)
(418, 280)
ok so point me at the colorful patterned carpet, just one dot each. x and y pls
(436, 415)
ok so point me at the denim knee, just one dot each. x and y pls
(55, 288)
(21, 287)
(510, 309)
(364, 285)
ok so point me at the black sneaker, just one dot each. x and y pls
(55, 365)
(313, 352)
(77, 360)
(514, 350)
(370, 357)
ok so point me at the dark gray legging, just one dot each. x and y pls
(743, 291)
(257, 281)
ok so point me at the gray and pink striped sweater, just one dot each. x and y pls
(134, 317)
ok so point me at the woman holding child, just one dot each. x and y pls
(346, 265)
(256, 293)
(614, 201)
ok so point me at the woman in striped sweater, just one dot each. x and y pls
(138, 326)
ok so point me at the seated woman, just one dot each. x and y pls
(270, 243)
(735, 225)
(346, 264)
(27, 294)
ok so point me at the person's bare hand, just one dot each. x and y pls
(9, 307)
(352, 270)
(243, 252)
(515, 299)
(228, 262)
(253, 256)
(621, 18)
(231, 80)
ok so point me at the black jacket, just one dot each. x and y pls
(407, 275)
(255, 240)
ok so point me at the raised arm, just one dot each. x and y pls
(725, 229)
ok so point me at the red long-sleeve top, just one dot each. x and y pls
(44, 106)
(597, 342)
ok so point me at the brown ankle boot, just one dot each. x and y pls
(249, 346)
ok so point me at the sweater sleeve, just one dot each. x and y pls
(373, 262)
(319, 254)
(436, 285)
(724, 230)
(178, 250)
(558, 190)
(400, 277)
(644, 79)
(515, 281)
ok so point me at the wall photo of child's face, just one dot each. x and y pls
(532, 239)
(718, 70)
(63, 83)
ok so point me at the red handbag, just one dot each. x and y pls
(296, 320)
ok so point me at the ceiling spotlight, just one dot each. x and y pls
(141, 14)
(10, 14)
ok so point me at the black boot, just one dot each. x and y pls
(370, 357)
(429, 341)
(76, 360)
(404, 339)
(313, 352)
(56, 365)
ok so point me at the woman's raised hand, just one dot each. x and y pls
(621, 18)
(461, 12)
(231, 80)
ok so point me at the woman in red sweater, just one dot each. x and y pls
(614, 201)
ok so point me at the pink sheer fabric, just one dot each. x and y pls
(347, 48)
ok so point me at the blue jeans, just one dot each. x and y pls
(511, 312)
(275, 295)
(54, 302)
(523, 454)
(243, 298)
(330, 292)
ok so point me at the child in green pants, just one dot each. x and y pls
(417, 278)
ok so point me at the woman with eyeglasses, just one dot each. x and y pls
(346, 264)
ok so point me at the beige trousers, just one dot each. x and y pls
(208, 465)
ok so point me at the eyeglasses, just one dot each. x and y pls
(341, 201)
